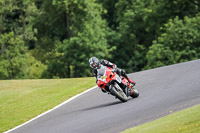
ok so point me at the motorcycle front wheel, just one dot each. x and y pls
(118, 92)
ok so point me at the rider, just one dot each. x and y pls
(96, 64)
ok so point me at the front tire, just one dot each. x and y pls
(118, 92)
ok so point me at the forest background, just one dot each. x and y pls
(56, 38)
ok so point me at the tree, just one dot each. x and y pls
(159, 55)
(14, 61)
(88, 36)
(78, 33)
(179, 43)
(110, 13)
(131, 35)
(17, 17)
(16, 36)
(55, 38)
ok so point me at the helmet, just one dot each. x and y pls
(94, 63)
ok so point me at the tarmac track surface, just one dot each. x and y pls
(164, 89)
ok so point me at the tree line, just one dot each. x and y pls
(55, 38)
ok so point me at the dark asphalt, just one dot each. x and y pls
(165, 89)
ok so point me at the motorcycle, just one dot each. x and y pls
(109, 81)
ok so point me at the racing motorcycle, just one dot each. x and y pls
(109, 81)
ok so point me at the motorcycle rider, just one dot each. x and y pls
(96, 64)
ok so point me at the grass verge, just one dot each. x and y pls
(21, 100)
(186, 121)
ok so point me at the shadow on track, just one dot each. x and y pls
(103, 105)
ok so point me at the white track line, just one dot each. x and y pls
(72, 98)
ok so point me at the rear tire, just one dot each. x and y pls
(118, 92)
(135, 93)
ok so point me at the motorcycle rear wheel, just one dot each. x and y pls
(135, 93)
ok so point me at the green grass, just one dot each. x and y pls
(21, 100)
(186, 121)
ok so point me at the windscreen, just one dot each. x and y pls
(101, 71)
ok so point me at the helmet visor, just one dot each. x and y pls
(94, 65)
